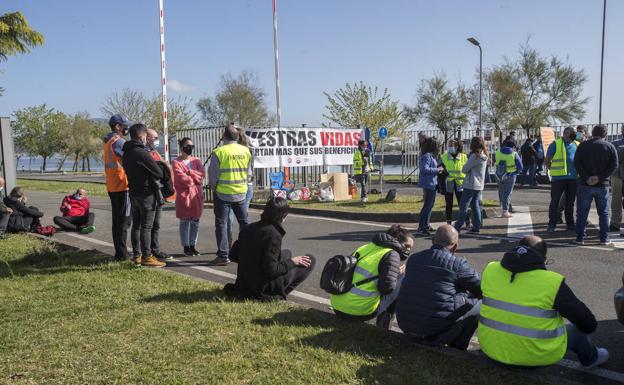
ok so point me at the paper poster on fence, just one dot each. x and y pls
(548, 136)
(298, 147)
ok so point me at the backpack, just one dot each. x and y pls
(47, 230)
(501, 171)
(337, 275)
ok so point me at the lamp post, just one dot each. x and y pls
(604, 16)
(476, 42)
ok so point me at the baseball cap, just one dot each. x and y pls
(119, 119)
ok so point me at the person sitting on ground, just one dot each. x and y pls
(265, 271)
(523, 310)
(23, 218)
(76, 215)
(439, 302)
(379, 258)
(5, 212)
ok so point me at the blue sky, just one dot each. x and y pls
(96, 47)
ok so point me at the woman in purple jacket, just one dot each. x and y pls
(428, 180)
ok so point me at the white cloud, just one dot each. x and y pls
(178, 86)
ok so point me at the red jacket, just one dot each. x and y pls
(72, 207)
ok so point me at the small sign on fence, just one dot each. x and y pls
(548, 136)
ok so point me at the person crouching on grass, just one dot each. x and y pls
(76, 216)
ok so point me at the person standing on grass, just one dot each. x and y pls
(595, 161)
(521, 320)
(379, 258)
(76, 215)
(142, 173)
(243, 140)
(474, 183)
(188, 180)
(616, 185)
(361, 168)
(428, 181)
(265, 271)
(228, 174)
(509, 158)
(453, 161)
(117, 183)
(560, 163)
(5, 212)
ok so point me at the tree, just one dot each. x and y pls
(358, 104)
(40, 131)
(148, 110)
(83, 140)
(438, 105)
(502, 95)
(16, 36)
(238, 99)
(551, 90)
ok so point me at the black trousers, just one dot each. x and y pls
(75, 223)
(143, 214)
(557, 188)
(135, 232)
(283, 285)
(4, 221)
(448, 210)
(120, 212)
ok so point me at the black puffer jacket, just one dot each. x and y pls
(141, 169)
(436, 286)
(21, 211)
(390, 263)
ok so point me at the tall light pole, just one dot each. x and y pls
(163, 78)
(277, 80)
(604, 17)
(476, 42)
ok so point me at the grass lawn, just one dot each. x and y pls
(93, 189)
(402, 204)
(71, 317)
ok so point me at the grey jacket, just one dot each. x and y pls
(619, 147)
(475, 172)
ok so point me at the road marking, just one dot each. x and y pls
(520, 224)
(606, 373)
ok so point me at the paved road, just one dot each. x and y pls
(594, 272)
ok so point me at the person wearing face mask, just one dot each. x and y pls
(117, 183)
(453, 161)
(142, 172)
(379, 258)
(5, 212)
(188, 179)
(560, 163)
(265, 271)
(76, 216)
(361, 168)
(616, 185)
(439, 299)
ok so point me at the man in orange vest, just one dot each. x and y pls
(117, 184)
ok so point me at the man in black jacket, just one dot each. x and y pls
(595, 161)
(439, 299)
(142, 171)
(529, 163)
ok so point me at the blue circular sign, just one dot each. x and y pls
(383, 133)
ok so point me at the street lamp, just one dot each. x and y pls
(476, 42)
(604, 16)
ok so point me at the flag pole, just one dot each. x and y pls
(277, 81)
(163, 75)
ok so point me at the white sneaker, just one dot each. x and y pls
(506, 214)
(603, 356)
(365, 199)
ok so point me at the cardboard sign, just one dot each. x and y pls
(548, 136)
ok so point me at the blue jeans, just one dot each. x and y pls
(584, 198)
(429, 197)
(189, 228)
(470, 198)
(222, 213)
(582, 345)
(505, 189)
(388, 300)
(530, 169)
(232, 217)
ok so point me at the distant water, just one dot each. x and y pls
(25, 164)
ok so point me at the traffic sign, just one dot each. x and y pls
(383, 133)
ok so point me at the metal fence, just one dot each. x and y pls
(206, 139)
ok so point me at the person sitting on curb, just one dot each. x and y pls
(439, 299)
(23, 218)
(380, 258)
(265, 271)
(76, 216)
(523, 310)
(5, 212)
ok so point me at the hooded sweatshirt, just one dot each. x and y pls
(509, 151)
(140, 168)
(566, 303)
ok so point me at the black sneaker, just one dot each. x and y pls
(579, 241)
(550, 229)
(162, 255)
(474, 231)
(188, 252)
(194, 250)
(220, 261)
(613, 228)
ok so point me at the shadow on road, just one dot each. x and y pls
(352, 236)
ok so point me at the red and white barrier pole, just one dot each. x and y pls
(163, 79)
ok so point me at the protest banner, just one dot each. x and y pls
(304, 146)
(548, 136)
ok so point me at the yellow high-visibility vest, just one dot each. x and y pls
(234, 164)
(454, 167)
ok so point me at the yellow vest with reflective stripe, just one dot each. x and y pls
(358, 162)
(233, 164)
(454, 166)
(363, 299)
(559, 164)
(518, 325)
(510, 160)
